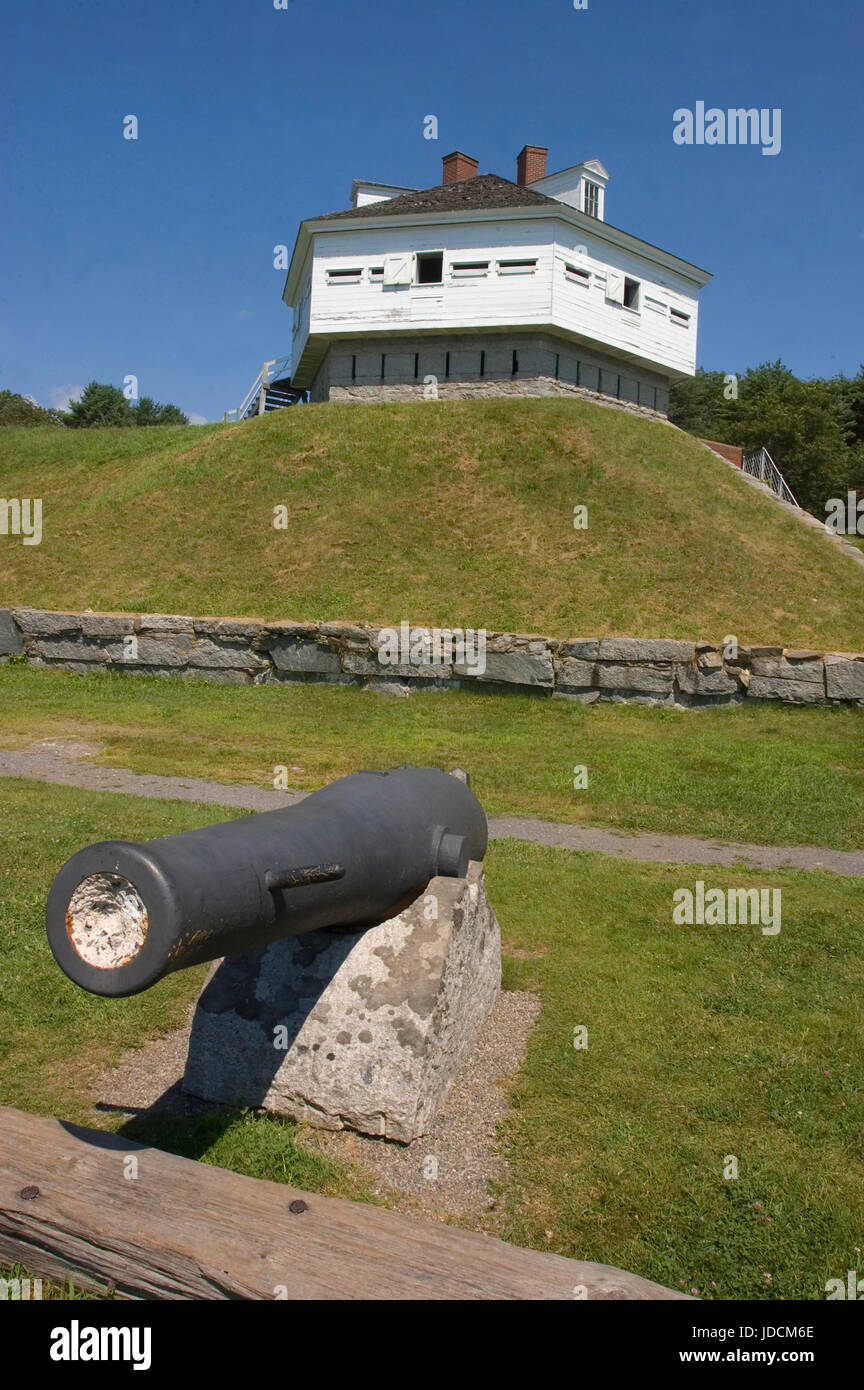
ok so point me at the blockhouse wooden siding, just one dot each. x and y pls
(544, 297)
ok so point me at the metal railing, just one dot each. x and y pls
(259, 398)
(761, 465)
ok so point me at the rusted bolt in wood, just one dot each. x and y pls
(297, 1206)
(28, 1193)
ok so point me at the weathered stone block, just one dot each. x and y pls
(46, 624)
(171, 650)
(781, 669)
(11, 642)
(573, 672)
(219, 655)
(512, 668)
(844, 679)
(645, 649)
(227, 628)
(797, 692)
(348, 632)
(106, 625)
(588, 649)
(289, 628)
(363, 663)
(364, 1030)
(699, 680)
(516, 642)
(66, 649)
(292, 655)
(165, 622)
(648, 679)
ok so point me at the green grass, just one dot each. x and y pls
(52, 1291)
(703, 1042)
(53, 1035)
(256, 1145)
(767, 774)
(446, 513)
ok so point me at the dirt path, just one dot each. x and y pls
(68, 764)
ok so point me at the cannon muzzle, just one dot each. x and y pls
(120, 915)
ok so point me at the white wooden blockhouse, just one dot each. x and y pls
(483, 286)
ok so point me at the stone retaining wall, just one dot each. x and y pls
(639, 670)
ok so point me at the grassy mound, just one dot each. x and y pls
(448, 513)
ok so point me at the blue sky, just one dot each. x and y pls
(155, 257)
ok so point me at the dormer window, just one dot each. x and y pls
(592, 199)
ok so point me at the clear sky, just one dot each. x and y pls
(155, 257)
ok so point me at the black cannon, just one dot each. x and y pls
(121, 915)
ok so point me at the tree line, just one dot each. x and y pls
(813, 430)
(99, 405)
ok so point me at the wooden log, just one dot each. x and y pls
(186, 1230)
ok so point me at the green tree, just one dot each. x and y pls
(853, 393)
(100, 405)
(150, 412)
(700, 405)
(18, 410)
(808, 427)
(804, 425)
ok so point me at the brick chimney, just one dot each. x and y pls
(458, 166)
(531, 164)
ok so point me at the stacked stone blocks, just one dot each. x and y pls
(246, 652)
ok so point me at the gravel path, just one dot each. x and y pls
(461, 1141)
(67, 764)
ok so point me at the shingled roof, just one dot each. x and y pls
(487, 191)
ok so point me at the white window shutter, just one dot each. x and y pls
(615, 286)
(397, 270)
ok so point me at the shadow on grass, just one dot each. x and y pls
(193, 1135)
(257, 1144)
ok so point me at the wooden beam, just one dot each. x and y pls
(181, 1229)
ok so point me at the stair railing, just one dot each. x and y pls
(761, 465)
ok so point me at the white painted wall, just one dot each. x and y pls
(650, 332)
(498, 300)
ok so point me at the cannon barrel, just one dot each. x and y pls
(120, 915)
